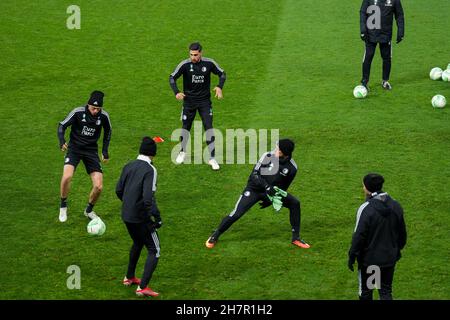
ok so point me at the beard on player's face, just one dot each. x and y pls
(195, 56)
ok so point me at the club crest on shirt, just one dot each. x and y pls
(388, 3)
(84, 117)
(98, 122)
(285, 171)
(192, 68)
(204, 69)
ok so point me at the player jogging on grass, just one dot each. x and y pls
(86, 123)
(196, 72)
(268, 183)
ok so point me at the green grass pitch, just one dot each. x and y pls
(291, 65)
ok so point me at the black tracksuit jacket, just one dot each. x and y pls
(196, 79)
(388, 9)
(380, 232)
(136, 188)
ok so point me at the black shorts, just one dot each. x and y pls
(90, 159)
(190, 110)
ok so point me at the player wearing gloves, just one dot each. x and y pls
(268, 182)
(136, 189)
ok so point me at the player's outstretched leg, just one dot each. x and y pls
(247, 199)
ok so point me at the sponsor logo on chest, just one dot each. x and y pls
(198, 79)
(87, 131)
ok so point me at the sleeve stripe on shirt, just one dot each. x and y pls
(155, 175)
(179, 66)
(358, 214)
(293, 163)
(107, 116)
(71, 114)
(261, 160)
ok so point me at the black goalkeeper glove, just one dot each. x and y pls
(157, 223)
(350, 263)
(364, 37)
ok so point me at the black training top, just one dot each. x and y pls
(85, 130)
(196, 79)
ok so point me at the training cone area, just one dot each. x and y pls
(316, 171)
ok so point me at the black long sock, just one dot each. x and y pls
(63, 203)
(89, 207)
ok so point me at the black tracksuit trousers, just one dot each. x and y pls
(143, 234)
(249, 198)
(385, 286)
(386, 54)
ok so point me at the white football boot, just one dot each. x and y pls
(63, 214)
(91, 215)
(180, 157)
(213, 163)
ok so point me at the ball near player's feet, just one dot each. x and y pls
(360, 92)
(96, 227)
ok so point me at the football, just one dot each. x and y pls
(360, 92)
(96, 227)
(446, 75)
(435, 73)
(438, 101)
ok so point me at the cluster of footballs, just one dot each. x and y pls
(439, 100)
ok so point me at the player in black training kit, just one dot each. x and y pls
(376, 19)
(196, 95)
(86, 124)
(136, 189)
(275, 170)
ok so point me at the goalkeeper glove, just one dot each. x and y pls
(277, 203)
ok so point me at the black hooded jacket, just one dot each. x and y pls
(380, 232)
(388, 9)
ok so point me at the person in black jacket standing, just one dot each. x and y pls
(378, 238)
(376, 19)
(274, 171)
(136, 189)
(196, 72)
(86, 124)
